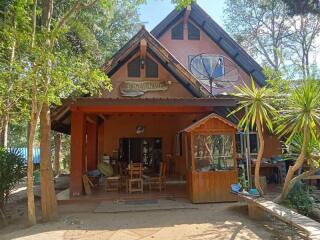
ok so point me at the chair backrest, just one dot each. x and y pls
(163, 169)
(135, 170)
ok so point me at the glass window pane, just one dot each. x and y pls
(213, 152)
(253, 143)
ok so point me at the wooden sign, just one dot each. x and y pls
(138, 88)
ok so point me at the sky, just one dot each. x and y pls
(155, 11)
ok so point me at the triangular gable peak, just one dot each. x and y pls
(214, 33)
(211, 118)
(145, 45)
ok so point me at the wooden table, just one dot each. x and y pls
(266, 168)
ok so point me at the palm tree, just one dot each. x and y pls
(259, 112)
(301, 116)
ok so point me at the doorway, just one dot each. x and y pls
(141, 150)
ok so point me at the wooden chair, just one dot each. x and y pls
(135, 180)
(113, 184)
(159, 182)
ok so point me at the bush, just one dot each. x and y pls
(12, 170)
(300, 199)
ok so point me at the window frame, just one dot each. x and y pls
(224, 133)
(171, 31)
(146, 67)
(243, 140)
(195, 27)
(133, 59)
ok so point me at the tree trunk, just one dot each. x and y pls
(48, 195)
(4, 130)
(32, 130)
(31, 205)
(57, 155)
(292, 169)
(259, 157)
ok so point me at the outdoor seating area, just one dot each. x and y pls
(132, 179)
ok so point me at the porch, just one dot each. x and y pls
(174, 190)
(151, 131)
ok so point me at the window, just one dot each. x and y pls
(213, 152)
(134, 68)
(241, 142)
(193, 32)
(177, 32)
(151, 68)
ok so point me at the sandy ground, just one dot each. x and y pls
(209, 221)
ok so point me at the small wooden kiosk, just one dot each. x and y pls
(211, 159)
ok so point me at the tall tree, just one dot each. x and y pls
(303, 6)
(301, 116)
(303, 40)
(257, 112)
(55, 73)
(13, 30)
(260, 26)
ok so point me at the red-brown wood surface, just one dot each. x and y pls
(77, 152)
(213, 186)
(91, 146)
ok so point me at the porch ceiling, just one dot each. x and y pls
(60, 117)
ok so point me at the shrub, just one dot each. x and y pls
(12, 170)
(300, 199)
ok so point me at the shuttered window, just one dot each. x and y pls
(151, 68)
(193, 32)
(134, 68)
(177, 32)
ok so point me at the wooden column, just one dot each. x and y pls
(77, 152)
(91, 146)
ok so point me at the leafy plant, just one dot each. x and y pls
(300, 199)
(12, 170)
(257, 112)
(242, 179)
(301, 116)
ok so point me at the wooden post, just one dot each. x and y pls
(91, 146)
(77, 152)
(255, 212)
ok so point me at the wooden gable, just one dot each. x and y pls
(164, 85)
(212, 123)
(213, 40)
(173, 76)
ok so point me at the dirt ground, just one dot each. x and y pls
(209, 221)
(78, 221)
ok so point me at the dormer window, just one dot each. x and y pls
(193, 32)
(177, 32)
(134, 68)
(139, 64)
(151, 68)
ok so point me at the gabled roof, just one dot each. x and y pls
(207, 118)
(218, 35)
(162, 55)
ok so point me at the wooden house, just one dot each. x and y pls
(170, 102)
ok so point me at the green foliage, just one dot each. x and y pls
(257, 102)
(297, 7)
(302, 109)
(242, 179)
(182, 3)
(12, 170)
(300, 199)
(312, 151)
